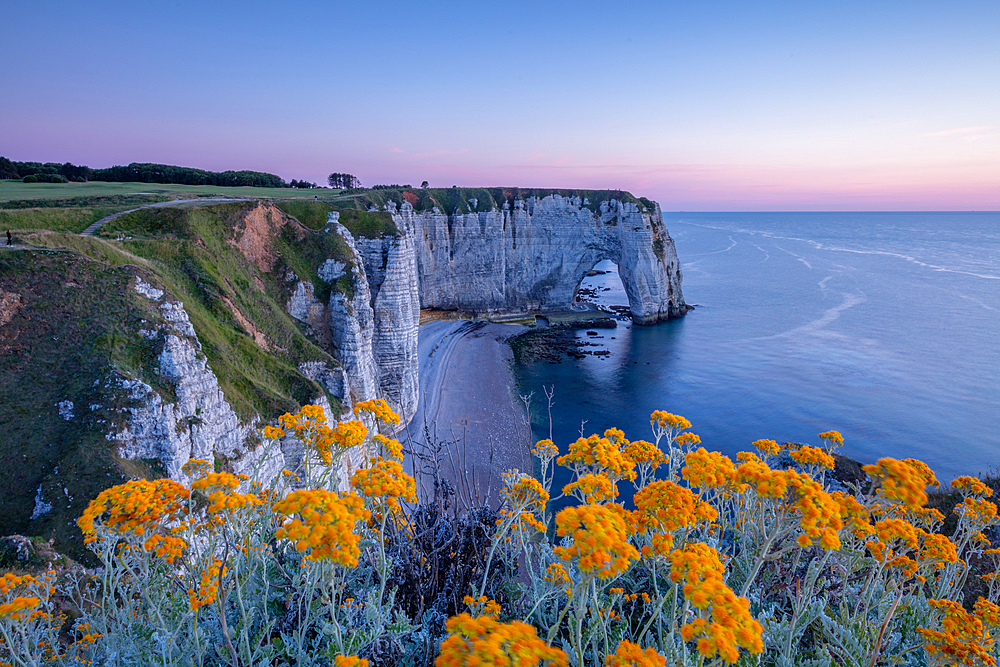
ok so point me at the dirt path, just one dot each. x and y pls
(89, 231)
(467, 401)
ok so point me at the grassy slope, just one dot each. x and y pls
(18, 190)
(70, 343)
(58, 346)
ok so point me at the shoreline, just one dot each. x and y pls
(468, 406)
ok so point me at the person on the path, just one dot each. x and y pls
(10, 239)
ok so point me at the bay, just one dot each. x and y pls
(883, 326)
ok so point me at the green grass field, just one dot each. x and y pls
(17, 190)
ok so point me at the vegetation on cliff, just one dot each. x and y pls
(71, 320)
(719, 562)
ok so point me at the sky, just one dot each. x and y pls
(702, 106)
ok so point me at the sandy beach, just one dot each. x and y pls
(468, 406)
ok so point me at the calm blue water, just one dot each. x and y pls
(883, 326)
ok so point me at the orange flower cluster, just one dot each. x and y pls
(977, 512)
(632, 655)
(971, 485)
(937, 550)
(962, 638)
(556, 574)
(379, 408)
(812, 456)
(698, 566)
(483, 606)
(134, 507)
(350, 434)
(524, 497)
(390, 446)
(349, 661)
(545, 450)
(819, 512)
(854, 514)
(326, 526)
(769, 447)
(485, 642)
(755, 474)
(20, 594)
(707, 469)
(600, 538)
(833, 439)
(602, 455)
(665, 506)
(903, 481)
(386, 480)
(309, 426)
(644, 453)
(208, 587)
(592, 489)
(216, 486)
(688, 438)
(167, 547)
(666, 420)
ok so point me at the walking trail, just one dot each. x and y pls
(89, 231)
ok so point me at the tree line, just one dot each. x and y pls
(142, 172)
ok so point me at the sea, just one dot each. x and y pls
(883, 326)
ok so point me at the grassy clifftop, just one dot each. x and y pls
(468, 200)
(69, 317)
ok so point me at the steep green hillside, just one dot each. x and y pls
(70, 318)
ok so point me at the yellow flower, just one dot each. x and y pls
(971, 485)
(831, 438)
(592, 489)
(379, 408)
(545, 450)
(962, 638)
(707, 469)
(483, 606)
(484, 642)
(349, 661)
(698, 567)
(134, 507)
(812, 456)
(665, 506)
(601, 455)
(666, 420)
(645, 453)
(769, 447)
(556, 574)
(273, 432)
(386, 480)
(326, 524)
(390, 446)
(632, 655)
(208, 589)
(902, 480)
(600, 538)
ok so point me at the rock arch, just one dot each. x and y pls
(531, 254)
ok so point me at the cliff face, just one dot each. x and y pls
(200, 424)
(532, 255)
(391, 267)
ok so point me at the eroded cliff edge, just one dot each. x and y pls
(531, 255)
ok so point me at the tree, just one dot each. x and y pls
(346, 181)
(7, 169)
(425, 185)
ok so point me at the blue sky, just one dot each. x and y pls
(702, 106)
